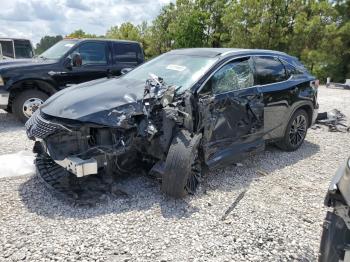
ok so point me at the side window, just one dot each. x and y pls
(126, 53)
(92, 53)
(235, 75)
(269, 70)
(291, 70)
(7, 48)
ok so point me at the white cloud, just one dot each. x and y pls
(36, 18)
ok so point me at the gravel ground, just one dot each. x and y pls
(279, 218)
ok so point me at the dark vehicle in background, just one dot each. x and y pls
(13, 48)
(335, 241)
(25, 84)
(179, 114)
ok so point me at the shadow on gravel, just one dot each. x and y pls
(256, 166)
(8, 123)
(143, 193)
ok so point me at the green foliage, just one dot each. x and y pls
(315, 31)
(310, 30)
(81, 34)
(126, 31)
(46, 42)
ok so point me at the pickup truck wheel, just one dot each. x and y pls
(295, 132)
(183, 170)
(26, 102)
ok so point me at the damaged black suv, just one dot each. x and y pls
(175, 116)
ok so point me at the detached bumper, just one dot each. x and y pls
(4, 99)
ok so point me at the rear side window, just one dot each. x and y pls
(127, 53)
(93, 53)
(7, 48)
(291, 70)
(269, 70)
(23, 49)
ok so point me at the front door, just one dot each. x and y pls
(233, 114)
(94, 64)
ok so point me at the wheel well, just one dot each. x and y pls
(308, 110)
(20, 86)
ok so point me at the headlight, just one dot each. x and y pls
(2, 83)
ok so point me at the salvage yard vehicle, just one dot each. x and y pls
(25, 84)
(182, 113)
(335, 241)
(15, 48)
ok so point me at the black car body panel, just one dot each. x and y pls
(125, 117)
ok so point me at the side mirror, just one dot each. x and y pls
(125, 70)
(77, 60)
(67, 63)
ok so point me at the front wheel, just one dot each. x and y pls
(183, 169)
(26, 103)
(295, 132)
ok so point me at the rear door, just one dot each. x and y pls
(279, 93)
(126, 55)
(232, 113)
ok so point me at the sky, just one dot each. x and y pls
(33, 19)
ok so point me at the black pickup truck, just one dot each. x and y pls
(26, 83)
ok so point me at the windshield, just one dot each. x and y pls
(179, 70)
(58, 50)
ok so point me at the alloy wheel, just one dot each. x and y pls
(297, 130)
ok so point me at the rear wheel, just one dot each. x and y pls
(295, 132)
(27, 102)
(183, 168)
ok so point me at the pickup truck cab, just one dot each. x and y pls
(26, 84)
(15, 48)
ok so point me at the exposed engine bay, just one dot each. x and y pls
(139, 137)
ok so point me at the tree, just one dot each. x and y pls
(126, 31)
(46, 42)
(81, 34)
(315, 31)
(158, 37)
(310, 30)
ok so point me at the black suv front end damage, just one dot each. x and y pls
(208, 110)
(69, 152)
(335, 242)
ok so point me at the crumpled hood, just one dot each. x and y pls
(98, 101)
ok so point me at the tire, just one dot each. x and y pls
(294, 136)
(182, 166)
(34, 98)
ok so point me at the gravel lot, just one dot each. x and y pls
(279, 218)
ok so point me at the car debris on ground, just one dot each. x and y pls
(334, 120)
(345, 85)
